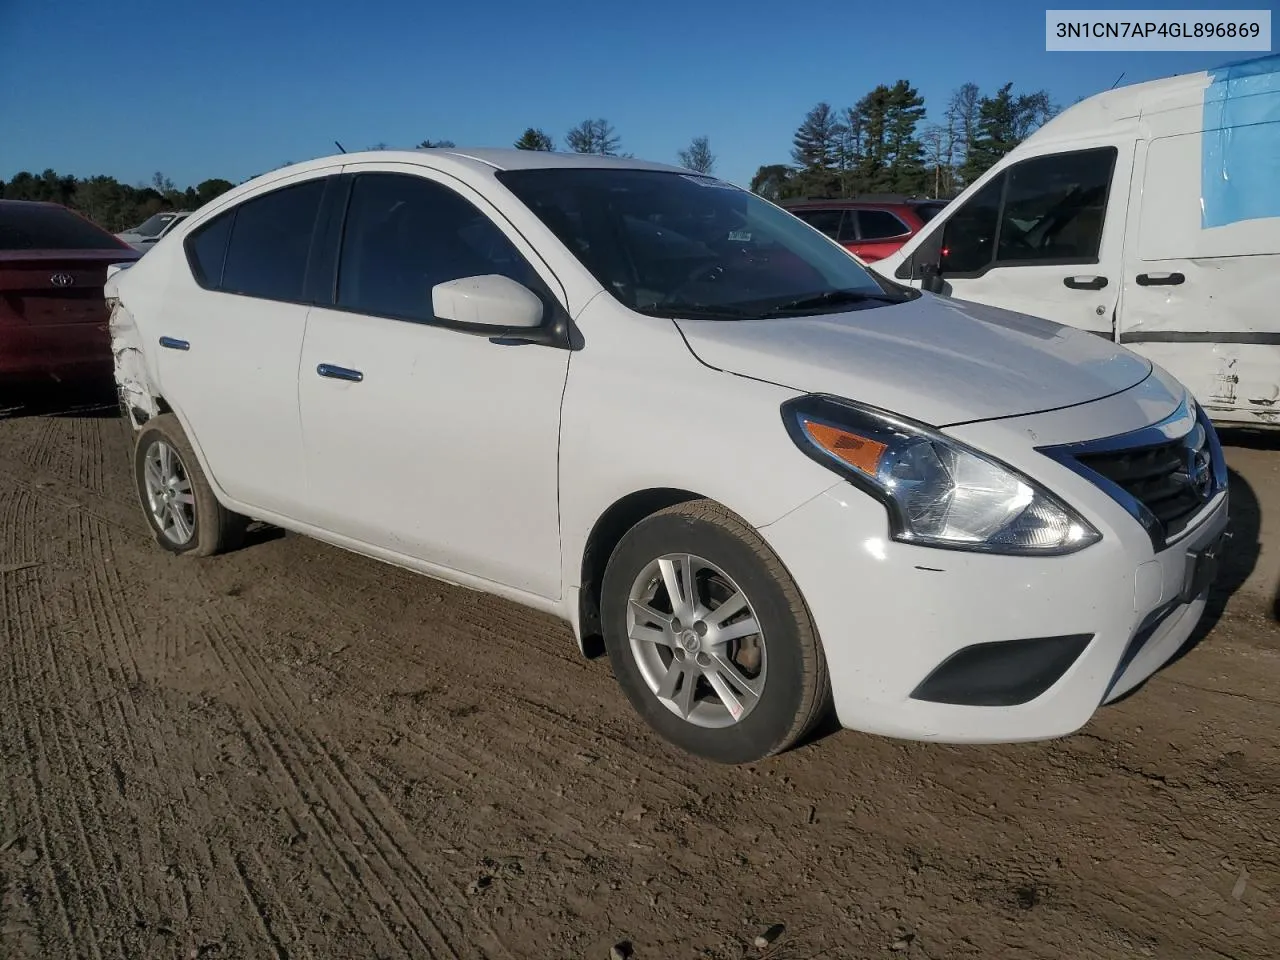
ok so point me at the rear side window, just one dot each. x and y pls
(405, 234)
(828, 221)
(880, 225)
(35, 226)
(207, 250)
(270, 243)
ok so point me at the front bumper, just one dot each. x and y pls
(889, 614)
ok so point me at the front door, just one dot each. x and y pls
(1044, 237)
(436, 444)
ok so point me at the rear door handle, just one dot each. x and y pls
(1085, 283)
(339, 373)
(172, 343)
(1160, 279)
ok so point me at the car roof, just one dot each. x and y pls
(486, 158)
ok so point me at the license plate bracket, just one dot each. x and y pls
(1202, 568)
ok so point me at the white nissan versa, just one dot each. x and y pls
(667, 411)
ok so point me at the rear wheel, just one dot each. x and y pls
(183, 513)
(709, 636)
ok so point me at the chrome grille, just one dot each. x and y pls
(1173, 480)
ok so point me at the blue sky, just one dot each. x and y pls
(236, 88)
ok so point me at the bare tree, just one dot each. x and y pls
(594, 136)
(698, 157)
(962, 123)
(934, 141)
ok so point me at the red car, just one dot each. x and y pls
(870, 228)
(53, 317)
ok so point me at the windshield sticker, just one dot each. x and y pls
(709, 182)
(739, 236)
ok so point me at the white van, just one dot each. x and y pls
(1149, 215)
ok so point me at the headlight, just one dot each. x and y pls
(939, 492)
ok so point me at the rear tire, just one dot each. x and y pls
(184, 515)
(734, 671)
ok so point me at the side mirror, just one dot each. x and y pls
(931, 278)
(490, 301)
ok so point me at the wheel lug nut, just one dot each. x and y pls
(676, 625)
(701, 628)
(704, 660)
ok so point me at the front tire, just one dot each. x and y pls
(184, 515)
(709, 636)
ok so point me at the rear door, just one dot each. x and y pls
(230, 338)
(1045, 237)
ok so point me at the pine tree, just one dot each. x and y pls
(535, 138)
(995, 136)
(905, 165)
(816, 150)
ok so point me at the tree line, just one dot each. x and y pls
(882, 144)
(108, 202)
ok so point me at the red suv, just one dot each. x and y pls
(870, 227)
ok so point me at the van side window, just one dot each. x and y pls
(1045, 210)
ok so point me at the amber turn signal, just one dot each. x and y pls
(861, 453)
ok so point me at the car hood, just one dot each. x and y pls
(933, 359)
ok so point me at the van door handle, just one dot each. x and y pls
(172, 343)
(1085, 283)
(339, 373)
(1160, 279)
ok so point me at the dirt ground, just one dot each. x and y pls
(292, 752)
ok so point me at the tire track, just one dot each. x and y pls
(40, 729)
(394, 903)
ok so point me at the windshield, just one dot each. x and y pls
(152, 226)
(672, 244)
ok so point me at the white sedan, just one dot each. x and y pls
(771, 483)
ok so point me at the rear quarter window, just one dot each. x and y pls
(207, 250)
(270, 242)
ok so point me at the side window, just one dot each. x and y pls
(1054, 207)
(968, 238)
(207, 250)
(828, 221)
(1044, 210)
(404, 234)
(270, 243)
(880, 225)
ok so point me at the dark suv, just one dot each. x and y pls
(870, 227)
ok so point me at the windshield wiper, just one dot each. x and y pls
(830, 298)
(699, 311)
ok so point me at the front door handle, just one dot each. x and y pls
(1160, 279)
(172, 343)
(1085, 283)
(339, 373)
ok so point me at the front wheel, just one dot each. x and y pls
(709, 636)
(181, 509)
